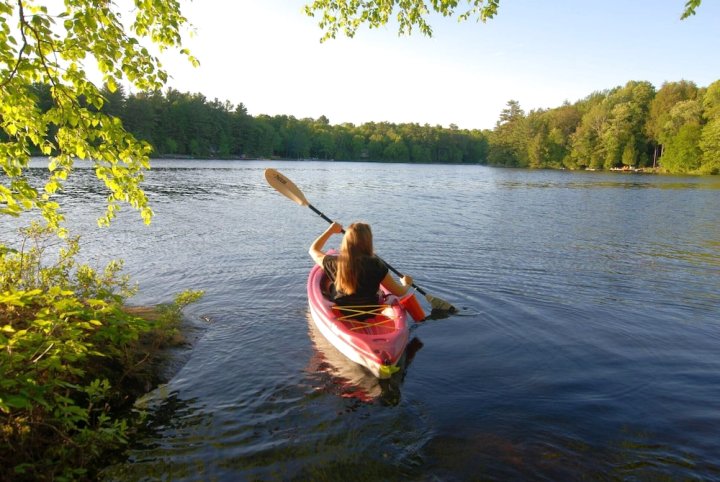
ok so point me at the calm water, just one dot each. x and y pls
(587, 345)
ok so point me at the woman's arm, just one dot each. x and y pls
(398, 289)
(316, 248)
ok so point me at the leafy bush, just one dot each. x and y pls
(70, 355)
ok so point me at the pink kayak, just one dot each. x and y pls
(377, 342)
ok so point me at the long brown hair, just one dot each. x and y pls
(356, 243)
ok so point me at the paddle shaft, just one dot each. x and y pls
(319, 213)
(287, 188)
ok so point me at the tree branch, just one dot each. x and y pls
(23, 26)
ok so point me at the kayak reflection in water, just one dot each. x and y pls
(332, 372)
(356, 272)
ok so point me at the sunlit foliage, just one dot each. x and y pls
(348, 16)
(59, 46)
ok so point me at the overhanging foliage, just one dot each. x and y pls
(60, 49)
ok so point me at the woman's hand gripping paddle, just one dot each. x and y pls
(287, 188)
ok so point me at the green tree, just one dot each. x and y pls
(322, 138)
(710, 137)
(420, 154)
(539, 143)
(710, 148)
(509, 143)
(615, 119)
(587, 149)
(344, 146)
(549, 134)
(690, 7)
(343, 16)
(628, 121)
(339, 15)
(711, 101)
(263, 137)
(397, 151)
(670, 93)
(53, 48)
(296, 136)
(376, 147)
(682, 152)
(141, 116)
(629, 155)
(681, 136)
(114, 100)
(616, 134)
(478, 146)
(240, 130)
(359, 147)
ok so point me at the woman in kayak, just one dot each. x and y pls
(356, 272)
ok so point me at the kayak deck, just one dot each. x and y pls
(378, 324)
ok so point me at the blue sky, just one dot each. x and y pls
(267, 55)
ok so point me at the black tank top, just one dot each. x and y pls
(373, 272)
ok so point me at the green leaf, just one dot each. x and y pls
(15, 402)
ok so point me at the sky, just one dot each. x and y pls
(267, 55)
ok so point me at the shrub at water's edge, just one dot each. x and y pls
(73, 359)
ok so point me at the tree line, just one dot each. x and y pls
(673, 129)
(177, 124)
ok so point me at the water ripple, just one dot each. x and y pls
(585, 345)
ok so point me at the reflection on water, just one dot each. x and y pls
(333, 372)
(585, 346)
(580, 180)
(156, 446)
(559, 459)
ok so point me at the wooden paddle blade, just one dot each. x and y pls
(285, 186)
(441, 305)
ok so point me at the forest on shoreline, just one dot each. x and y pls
(674, 129)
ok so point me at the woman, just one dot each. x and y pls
(356, 272)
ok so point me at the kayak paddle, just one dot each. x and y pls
(287, 188)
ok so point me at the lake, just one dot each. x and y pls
(587, 343)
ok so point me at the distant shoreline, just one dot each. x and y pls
(624, 170)
(621, 170)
